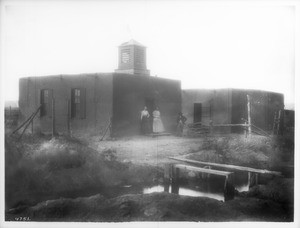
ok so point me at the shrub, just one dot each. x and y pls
(57, 154)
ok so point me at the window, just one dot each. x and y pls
(78, 103)
(46, 102)
(125, 56)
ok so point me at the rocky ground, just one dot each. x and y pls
(66, 179)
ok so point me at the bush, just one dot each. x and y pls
(58, 154)
(32, 165)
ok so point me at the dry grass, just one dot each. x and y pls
(37, 167)
(256, 151)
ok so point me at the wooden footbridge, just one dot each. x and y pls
(172, 173)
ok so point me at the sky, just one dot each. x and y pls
(203, 44)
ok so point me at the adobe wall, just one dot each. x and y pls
(263, 106)
(191, 96)
(222, 104)
(130, 93)
(216, 104)
(289, 121)
(98, 101)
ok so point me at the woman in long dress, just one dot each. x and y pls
(157, 123)
(145, 121)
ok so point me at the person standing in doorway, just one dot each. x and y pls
(145, 121)
(181, 119)
(157, 123)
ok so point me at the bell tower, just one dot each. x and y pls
(132, 59)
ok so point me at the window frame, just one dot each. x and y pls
(78, 102)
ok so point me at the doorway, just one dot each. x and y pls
(197, 112)
(150, 104)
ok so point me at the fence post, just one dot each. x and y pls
(53, 118)
(249, 115)
(68, 117)
(211, 127)
(245, 129)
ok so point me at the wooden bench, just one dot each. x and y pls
(173, 173)
(233, 167)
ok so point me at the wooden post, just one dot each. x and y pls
(249, 114)
(245, 130)
(68, 117)
(167, 177)
(249, 180)
(206, 176)
(175, 178)
(252, 179)
(229, 188)
(53, 118)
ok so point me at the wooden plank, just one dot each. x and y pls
(203, 170)
(264, 132)
(230, 125)
(106, 130)
(160, 134)
(235, 167)
(26, 121)
(217, 125)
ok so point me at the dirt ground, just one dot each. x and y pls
(148, 150)
(68, 179)
(155, 207)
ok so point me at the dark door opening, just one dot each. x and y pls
(197, 112)
(46, 102)
(150, 104)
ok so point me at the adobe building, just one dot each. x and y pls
(229, 106)
(84, 103)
